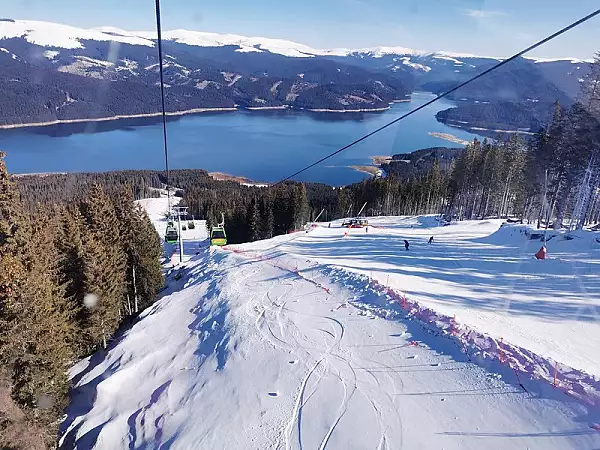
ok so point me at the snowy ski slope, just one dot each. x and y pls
(271, 345)
(156, 209)
(485, 275)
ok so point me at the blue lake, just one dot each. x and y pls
(260, 145)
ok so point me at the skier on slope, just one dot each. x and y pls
(431, 240)
(406, 244)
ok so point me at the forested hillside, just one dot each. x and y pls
(82, 84)
(420, 161)
(99, 74)
(553, 177)
(70, 275)
(490, 117)
(514, 97)
(41, 189)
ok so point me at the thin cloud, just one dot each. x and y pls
(483, 13)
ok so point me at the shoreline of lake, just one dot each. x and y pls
(264, 108)
(222, 176)
(318, 110)
(478, 130)
(449, 137)
(112, 118)
(371, 170)
(194, 111)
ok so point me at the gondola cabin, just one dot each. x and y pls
(171, 235)
(218, 236)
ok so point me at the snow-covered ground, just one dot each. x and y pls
(485, 275)
(273, 345)
(157, 209)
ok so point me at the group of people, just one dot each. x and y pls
(407, 245)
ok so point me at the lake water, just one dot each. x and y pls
(260, 145)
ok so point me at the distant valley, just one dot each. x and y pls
(51, 73)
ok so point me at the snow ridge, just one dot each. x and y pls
(65, 36)
(49, 34)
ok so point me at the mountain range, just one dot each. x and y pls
(51, 72)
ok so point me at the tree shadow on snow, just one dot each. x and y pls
(526, 388)
(489, 277)
(212, 339)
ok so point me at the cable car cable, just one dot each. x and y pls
(476, 77)
(162, 97)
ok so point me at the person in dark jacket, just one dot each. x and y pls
(406, 244)
(431, 240)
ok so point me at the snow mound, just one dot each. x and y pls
(579, 240)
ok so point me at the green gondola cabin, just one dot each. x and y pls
(218, 236)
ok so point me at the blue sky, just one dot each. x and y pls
(485, 27)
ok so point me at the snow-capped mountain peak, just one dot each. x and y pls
(379, 52)
(49, 34)
(245, 44)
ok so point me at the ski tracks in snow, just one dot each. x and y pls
(293, 315)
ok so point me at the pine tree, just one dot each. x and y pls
(579, 143)
(515, 191)
(434, 177)
(41, 337)
(146, 274)
(266, 217)
(127, 225)
(253, 220)
(283, 214)
(462, 182)
(300, 208)
(14, 235)
(36, 336)
(104, 269)
(71, 262)
(547, 165)
(590, 88)
(589, 186)
(344, 202)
